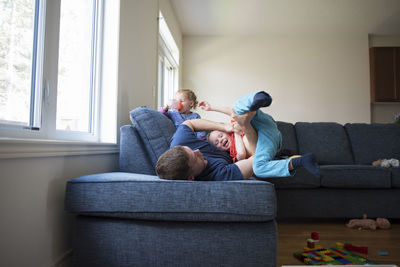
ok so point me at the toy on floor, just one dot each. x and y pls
(311, 242)
(387, 163)
(354, 248)
(369, 224)
(383, 253)
(339, 255)
(331, 256)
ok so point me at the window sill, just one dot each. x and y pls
(23, 148)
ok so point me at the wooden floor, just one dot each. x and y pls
(293, 235)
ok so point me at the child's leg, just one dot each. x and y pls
(252, 102)
(268, 144)
(269, 138)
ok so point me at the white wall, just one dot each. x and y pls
(311, 78)
(138, 52)
(34, 229)
(138, 56)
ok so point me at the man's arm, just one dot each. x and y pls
(198, 125)
(246, 167)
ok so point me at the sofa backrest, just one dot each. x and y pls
(289, 140)
(146, 141)
(327, 140)
(370, 142)
(151, 133)
(133, 156)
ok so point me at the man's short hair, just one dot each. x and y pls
(174, 164)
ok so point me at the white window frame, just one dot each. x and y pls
(42, 126)
(168, 63)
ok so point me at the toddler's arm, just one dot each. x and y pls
(204, 105)
(198, 125)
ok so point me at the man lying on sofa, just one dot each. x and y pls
(190, 158)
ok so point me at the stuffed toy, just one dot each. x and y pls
(369, 224)
(387, 163)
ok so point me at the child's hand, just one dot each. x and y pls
(228, 127)
(236, 128)
(233, 127)
(243, 119)
(204, 105)
(165, 108)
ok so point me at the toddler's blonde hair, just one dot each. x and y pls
(190, 95)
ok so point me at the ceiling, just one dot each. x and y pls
(263, 17)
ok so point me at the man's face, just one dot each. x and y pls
(220, 139)
(197, 162)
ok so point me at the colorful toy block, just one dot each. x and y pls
(358, 249)
(332, 256)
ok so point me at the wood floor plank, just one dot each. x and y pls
(293, 235)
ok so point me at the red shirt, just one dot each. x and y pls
(232, 149)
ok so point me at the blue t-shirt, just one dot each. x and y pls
(219, 164)
(178, 118)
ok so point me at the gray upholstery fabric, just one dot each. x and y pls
(130, 195)
(374, 141)
(289, 140)
(327, 140)
(355, 176)
(155, 129)
(133, 156)
(395, 177)
(122, 243)
(301, 179)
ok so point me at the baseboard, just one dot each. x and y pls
(65, 260)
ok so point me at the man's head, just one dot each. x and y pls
(180, 163)
(220, 139)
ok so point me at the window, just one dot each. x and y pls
(21, 39)
(78, 22)
(51, 85)
(168, 63)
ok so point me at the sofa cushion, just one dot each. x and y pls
(355, 176)
(395, 177)
(139, 196)
(327, 140)
(288, 136)
(374, 141)
(301, 179)
(155, 129)
(132, 153)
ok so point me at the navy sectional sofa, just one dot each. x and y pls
(133, 218)
(349, 185)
